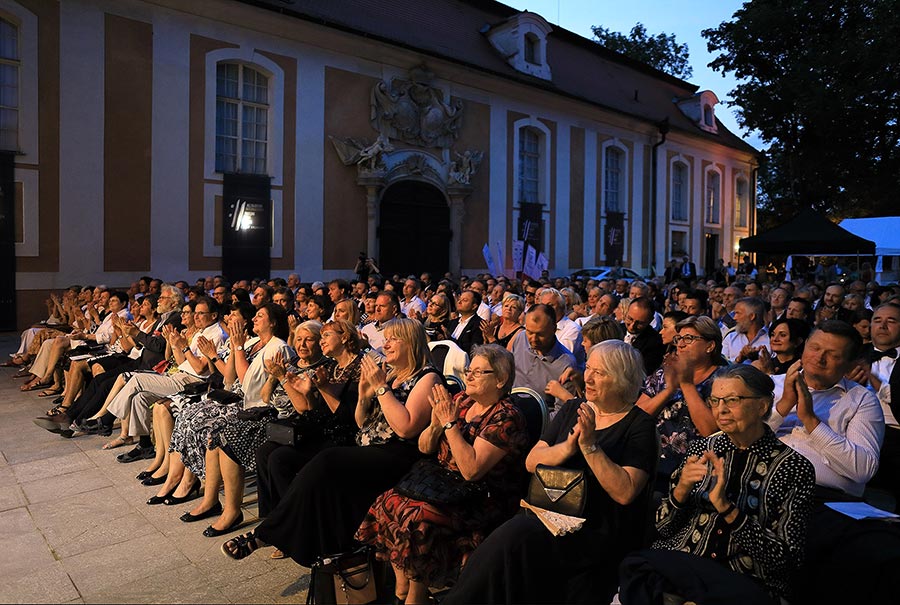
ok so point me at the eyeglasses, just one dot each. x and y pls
(730, 402)
(202, 312)
(687, 339)
(393, 339)
(478, 373)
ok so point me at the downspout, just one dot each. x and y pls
(663, 128)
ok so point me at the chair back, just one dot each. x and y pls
(454, 384)
(448, 358)
(534, 409)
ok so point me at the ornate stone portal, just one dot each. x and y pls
(415, 112)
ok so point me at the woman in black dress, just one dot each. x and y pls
(615, 442)
(329, 498)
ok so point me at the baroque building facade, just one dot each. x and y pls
(416, 131)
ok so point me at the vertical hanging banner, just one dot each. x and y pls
(518, 255)
(530, 268)
(247, 226)
(489, 260)
(500, 258)
(542, 264)
(614, 236)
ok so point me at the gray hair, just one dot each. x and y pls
(755, 306)
(759, 383)
(626, 366)
(312, 326)
(175, 293)
(502, 363)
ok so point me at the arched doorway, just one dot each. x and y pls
(414, 230)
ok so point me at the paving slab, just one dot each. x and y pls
(66, 485)
(45, 584)
(11, 497)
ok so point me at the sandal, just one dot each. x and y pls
(56, 410)
(118, 442)
(50, 392)
(277, 554)
(34, 386)
(240, 547)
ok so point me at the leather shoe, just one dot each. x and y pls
(192, 494)
(50, 425)
(144, 474)
(160, 499)
(151, 480)
(212, 532)
(215, 510)
(138, 453)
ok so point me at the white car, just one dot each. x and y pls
(599, 273)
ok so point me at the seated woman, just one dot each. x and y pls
(347, 310)
(318, 514)
(571, 383)
(481, 434)
(504, 329)
(615, 443)
(437, 318)
(318, 308)
(733, 526)
(326, 398)
(675, 393)
(786, 338)
(196, 421)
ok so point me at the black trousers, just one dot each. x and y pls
(94, 393)
(645, 575)
(276, 467)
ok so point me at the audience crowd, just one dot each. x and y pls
(712, 421)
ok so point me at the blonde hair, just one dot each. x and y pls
(413, 335)
(354, 310)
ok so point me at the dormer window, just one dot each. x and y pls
(700, 108)
(522, 42)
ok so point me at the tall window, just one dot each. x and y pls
(713, 188)
(679, 192)
(612, 179)
(708, 117)
(741, 203)
(529, 166)
(9, 85)
(242, 109)
(532, 49)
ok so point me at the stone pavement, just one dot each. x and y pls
(75, 526)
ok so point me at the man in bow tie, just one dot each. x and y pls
(884, 379)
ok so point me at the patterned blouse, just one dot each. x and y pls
(377, 430)
(771, 485)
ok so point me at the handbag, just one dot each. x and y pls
(352, 579)
(557, 489)
(288, 431)
(430, 482)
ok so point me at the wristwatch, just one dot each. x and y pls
(591, 448)
(449, 425)
(185, 350)
(380, 391)
(239, 348)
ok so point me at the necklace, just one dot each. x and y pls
(619, 411)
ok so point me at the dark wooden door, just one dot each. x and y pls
(414, 230)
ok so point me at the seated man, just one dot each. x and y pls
(539, 355)
(837, 425)
(568, 332)
(749, 334)
(465, 330)
(387, 307)
(641, 335)
(884, 380)
(145, 388)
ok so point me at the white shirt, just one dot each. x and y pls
(463, 322)
(735, 341)
(882, 369)
(484, 311)
(215, 334)
(846, 444)
(414, 303)
(375, 333)
(256, 376)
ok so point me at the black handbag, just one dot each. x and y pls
(557, 489)
(289, 431)
(430, 482)
(345, 578)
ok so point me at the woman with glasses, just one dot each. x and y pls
(732, 527)
(437, 317)
(480, 434)
(615, 445)
(674, 394)
(328, 499)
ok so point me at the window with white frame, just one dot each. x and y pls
(709, 118)
(713, 191)
(9, 85)
(679, 191)
(741, 203)
(529, 166)
(242, 117)
(679, 244)
(612, 179)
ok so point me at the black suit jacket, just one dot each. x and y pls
(153, 342)
(470, 336)
(691, 271)
(650, 344)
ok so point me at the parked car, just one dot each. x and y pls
(599, 273)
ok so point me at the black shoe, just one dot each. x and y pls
(160, 499)
(50, 425)
(67, 433)
(138, 453)
(144, 475)
(151, 480)
(215, 510)
(212, 532)
(192, 494)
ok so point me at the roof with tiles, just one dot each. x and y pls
(453, 30)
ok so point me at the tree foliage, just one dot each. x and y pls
(819, 81)
(660, 51)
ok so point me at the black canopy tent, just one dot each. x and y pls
(811, 234)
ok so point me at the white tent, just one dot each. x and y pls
(885, 232)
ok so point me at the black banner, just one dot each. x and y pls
(614, 238)
(530, 227)
(246, 226)
(7, 241)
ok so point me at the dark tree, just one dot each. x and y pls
(660, 51)
(819, 81)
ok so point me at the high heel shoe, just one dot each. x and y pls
(151, 480)
(192, 494)
(212, 532)
(160, 499)
(213, 512)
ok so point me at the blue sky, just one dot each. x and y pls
(685, 18)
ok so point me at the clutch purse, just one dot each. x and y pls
(557, 489)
